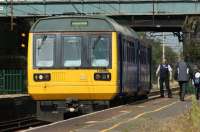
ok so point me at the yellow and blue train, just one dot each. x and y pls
(86, 58)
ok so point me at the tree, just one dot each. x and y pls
(170, 55)
(156, 45)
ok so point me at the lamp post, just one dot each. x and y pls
(163, 47)
(11, 15)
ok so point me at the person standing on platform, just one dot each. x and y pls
(164, 71)
(183, 76)
(196, 81)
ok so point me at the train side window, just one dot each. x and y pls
(142, 56)
(132, 52)
(134, 60)
(124, 50)
(127, 48)
(128, 52)
(146, 56)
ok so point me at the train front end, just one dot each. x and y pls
(72, 58)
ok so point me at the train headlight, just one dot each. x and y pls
(102, 76)
(42, 77)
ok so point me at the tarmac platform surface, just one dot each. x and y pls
(132, 117)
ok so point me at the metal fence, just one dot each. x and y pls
(12, 81)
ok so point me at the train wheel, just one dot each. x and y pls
(141, 97)
(116, 102)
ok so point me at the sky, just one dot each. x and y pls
(169, 40)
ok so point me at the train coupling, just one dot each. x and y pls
(72, 105)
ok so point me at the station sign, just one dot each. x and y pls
(79, 23)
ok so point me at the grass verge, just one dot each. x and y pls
(189, 122)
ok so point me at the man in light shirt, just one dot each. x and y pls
(164, 71)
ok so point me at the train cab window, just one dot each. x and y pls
(100, 51)
(72, 51)
(44, 47)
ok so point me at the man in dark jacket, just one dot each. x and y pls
(183, 76)
(165, 75)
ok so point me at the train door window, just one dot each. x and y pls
(72, 51)
(44, 50)
(100, 51)
(124, 50)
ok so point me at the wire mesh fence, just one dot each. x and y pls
(12, 81)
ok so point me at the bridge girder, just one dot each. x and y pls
(142, 15)
(106, 7)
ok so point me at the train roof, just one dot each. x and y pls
(80, 23)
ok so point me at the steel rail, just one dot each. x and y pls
(31, 121)
(20, 123)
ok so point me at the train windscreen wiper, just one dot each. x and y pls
(44, 38)
(96, 42)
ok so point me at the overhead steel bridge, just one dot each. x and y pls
(168, 15)
(107, 7)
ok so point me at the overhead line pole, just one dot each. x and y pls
(11, 15)
(163, 46)
(153, 17)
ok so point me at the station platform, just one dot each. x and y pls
(137, 117)
(12, 96)
(15, 106)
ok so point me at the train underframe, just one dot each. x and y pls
(56, 110)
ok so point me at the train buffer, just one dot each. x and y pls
(132, 117)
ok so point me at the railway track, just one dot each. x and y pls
(21, 123)
(154, 93)
(72, 123)
(31, 121)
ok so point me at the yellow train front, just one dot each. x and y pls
(85, 58)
